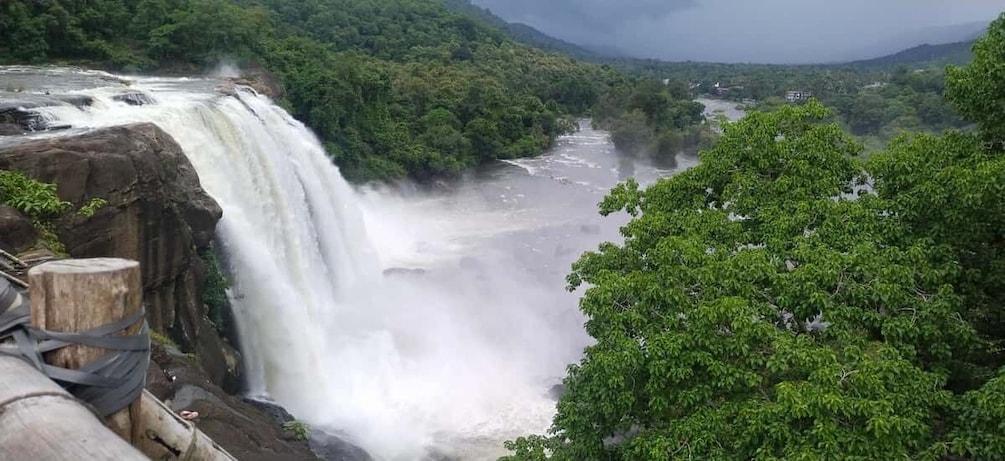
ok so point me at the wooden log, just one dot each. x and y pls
(168, 437)
(41, 421)
(17, 262)
(14, 280)
(75, 295)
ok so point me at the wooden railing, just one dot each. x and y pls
(41, 421)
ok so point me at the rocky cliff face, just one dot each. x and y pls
(156, 213)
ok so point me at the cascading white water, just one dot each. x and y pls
(400, 365)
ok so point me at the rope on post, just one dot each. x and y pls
(109, 384)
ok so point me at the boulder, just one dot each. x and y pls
(156, 213)
(276, 413)
(76, 100)
(134, 99)
(331, 447)
(10, 129)
(262, 82)
(16, 230)
(326, 444)
(17, 116)
(23, 118)
(245, 430)
(221, 361)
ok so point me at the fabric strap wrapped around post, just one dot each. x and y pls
(99, 354)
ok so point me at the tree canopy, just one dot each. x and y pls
(394, 88)
(786, 300)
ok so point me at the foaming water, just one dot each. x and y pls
(454, 360)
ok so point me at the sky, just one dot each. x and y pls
(768, 31)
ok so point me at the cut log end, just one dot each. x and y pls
(83, 266)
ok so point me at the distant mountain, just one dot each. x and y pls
(923, 56)
(524, 33)
(958, 33)
(610, 52)
(530, 36)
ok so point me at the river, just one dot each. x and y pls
(417, 324)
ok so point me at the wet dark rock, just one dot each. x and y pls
(10, 129)
(18, 116)
(276, 413)
(221, 360)
(331, 447)
(16, 230)
(22, 117)
(55, 127)
(76, 100)
(135, 99)
(245, 430)
(262, 82)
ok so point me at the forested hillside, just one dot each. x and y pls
(393, 87)
(927, 55)
(786, 300)
(523, 33)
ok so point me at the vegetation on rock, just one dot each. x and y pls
(299, 429)
(35, 199)
(214, 288)
(39, 201)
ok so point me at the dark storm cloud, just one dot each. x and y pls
(749, 30)
(585, 14)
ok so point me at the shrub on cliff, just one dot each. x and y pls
(38, 201)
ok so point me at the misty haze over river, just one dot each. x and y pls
(411, 322)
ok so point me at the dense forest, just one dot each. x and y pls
(786, 299)
(874, 99)
(394, 88)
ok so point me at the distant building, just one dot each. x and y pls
(720, 90)
(793, 97)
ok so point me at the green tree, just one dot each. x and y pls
(976, 89)
(759, 308)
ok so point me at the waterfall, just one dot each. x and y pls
(397, 367)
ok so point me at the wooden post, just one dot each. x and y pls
(75, 295)
(39, 420)
(169, 437)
